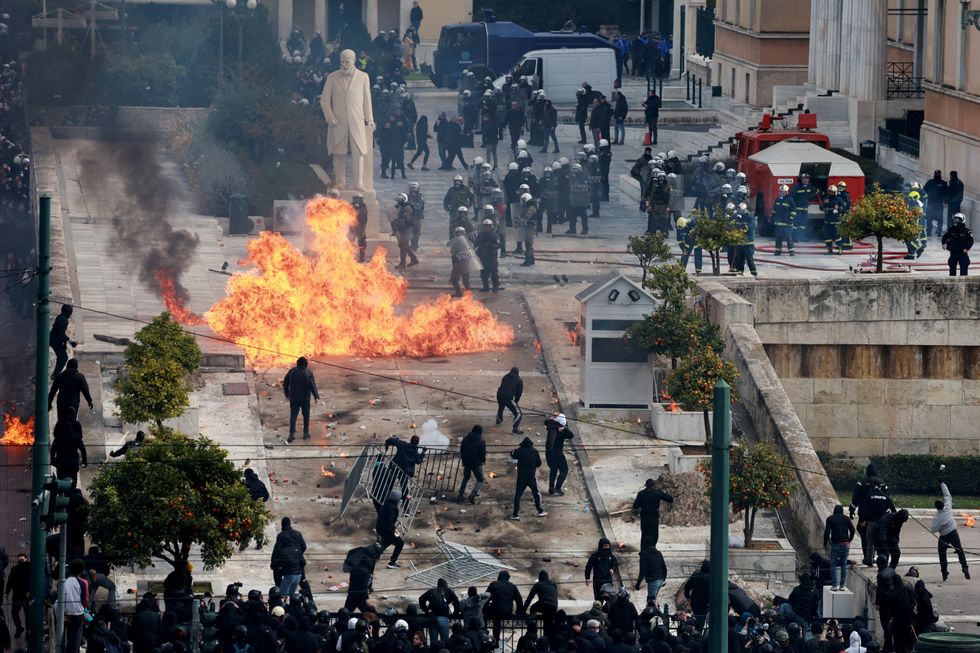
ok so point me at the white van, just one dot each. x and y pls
(561, 72)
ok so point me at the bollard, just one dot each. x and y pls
(699, 93)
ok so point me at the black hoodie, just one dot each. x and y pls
(602, 563)
(504, 595)
(838, 528)
(528, 460)
(473, 450)
(864, 487)
(545, 591)
(511, 385)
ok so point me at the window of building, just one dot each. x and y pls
(938, 40)
(618, 350)
(747, 84)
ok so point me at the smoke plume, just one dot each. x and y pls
(143, 233)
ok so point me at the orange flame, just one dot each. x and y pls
(492, 474)
(537, 345)
(329, 304)
(17, 431)
(674, 406)
(173, 302)
(326, 472)
(575, 332)
(969, 520)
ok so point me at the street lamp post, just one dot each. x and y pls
(232, 5)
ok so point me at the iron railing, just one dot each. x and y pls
(902, 82)
(896, 141)
(704, 43)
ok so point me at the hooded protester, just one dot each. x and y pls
(870, 500)
(299, 385)
(838, 533)
(288, 558)
(360, 563)
(146, 629)
(528, 460)
(439, 602)
(69, 386)
(509, 395)
(600, 567)
(387, 527)
(472, 606)
(473, 455)
(855, 644)
(622, 613)
(697, 590)
(547, 594)
(889, 533)
(505, 601)
(647, 504)
(653, 570)
(558, 434)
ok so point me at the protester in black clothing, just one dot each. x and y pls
(439, 603)
(256, 488)
(453, 133)
(925, 615)
(129, 445)
(558, 434)
(70, 386)
(697, 591)
(653, 570)
(888, 535)
(900, 626)
(18, 586)
(407, 457)
(67, 447)
(288, 559)
(298, 385)
(601, 566)
(473, 455)
(547, 594)
(651, 114)
(958, 241)
(647, 504)
(528, 461)
(360, 563)
(515, 120)
(422, 143)
(59, 340)
(619, 115)
(177, 587)
(441, 130)
(802, 604)
(509, 395)
(146, 628)
(935, 195)
(505, 601)
(387, 527)
(837, 534)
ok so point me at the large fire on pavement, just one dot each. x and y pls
(17, 431)
(327, 303)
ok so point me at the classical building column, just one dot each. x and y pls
(370, 8)
(870, 28)
(814, 60)
(834, 39)
(847, 41)
(320, 18)
(285, 19)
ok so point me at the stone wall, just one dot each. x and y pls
(767, 404)
(875, 365)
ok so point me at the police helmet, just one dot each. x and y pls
(603, 142)
(556, 165)
(512, 165)
(593, 158)
(460, 230)
(743, 206)
(726, 189)
(462, 210)
(487, 79)
(486, 167)
(702, 159)
(334, 193)
(841, 185)
(959, 218)
(719, 167)
(488, 222)
(730, 207)
(521, 144)
(489, 207)
(832, 188)
(671, 154)
(401, 198)
(661, 174)
(526, 170)
(466, 93)
(525, 198)
(488, 93)
(730, 173)
(523, 188)
(662, 155)
(522, 154)
(915, 185)
(576, 167)
(672, 175)
(741, 177)
(458, 178)
(477, 160)
(413, 185)
(743, 190)
(357, 196)
(588, 148)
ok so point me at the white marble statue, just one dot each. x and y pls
(346, 103)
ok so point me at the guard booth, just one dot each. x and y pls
(617, 373)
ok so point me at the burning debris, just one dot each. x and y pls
(326, 472)
(674, 407)
(173, 301)
(969, 520)
(17, 431)
(574, 332)
(329, 304)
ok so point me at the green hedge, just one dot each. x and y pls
(917, 474)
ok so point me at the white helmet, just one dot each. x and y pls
(588, 148)
(521, 144)
(832, 188)
(556, 165)
(915, 185)
(563, 160)
(458, 178)
(741, 177)
(488, 207)
(603, 142)
(661, 174)
(576, 167)
(702, 159)
(413, 185)
(334, 193)
(466, 93)
(730, 173)
(401, 624)
(662, 155)
(729, 207)
(512, 165)
(652, 164)
(401, 198)
(743, 206)
(745, 191)
(526, 170)
(525, 198)
(477, 160)
(462, 209)
(593, 158)
(784, 188)
(959, 218)
(522, 153)
(524, 188)
(726, 189)
(671, 154)
(488, 93)
(488, 222)
(719, 167)
(672, 176)
(486, 167)
(460, 230)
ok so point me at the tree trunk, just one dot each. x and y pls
(707, 430)
(715, 261)
(749, 526)
(673, 363)
(881, 247)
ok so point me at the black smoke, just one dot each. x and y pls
(143, 233)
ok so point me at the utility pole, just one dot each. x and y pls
(718, 596)
(41, 454)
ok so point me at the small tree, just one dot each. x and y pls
(675, 331)
(172, 493)
(649, 249)
(882, 215)
(761, 479)
(671, 283)
(164, 339)
(692, 382)
(713, 232)
(155, 382)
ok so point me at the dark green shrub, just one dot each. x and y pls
(148, 80)
(912, 474)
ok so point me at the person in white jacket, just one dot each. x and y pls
(945, 524)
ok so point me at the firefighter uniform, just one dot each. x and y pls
(832, 209)
(782, 219)
(688, 244)
(745, 250)
(801, 193)
(915, 201)
(846, 244)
